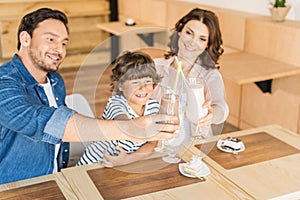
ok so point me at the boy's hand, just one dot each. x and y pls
(113, 161)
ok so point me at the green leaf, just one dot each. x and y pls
(279, 3)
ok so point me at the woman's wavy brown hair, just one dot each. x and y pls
(209, 58)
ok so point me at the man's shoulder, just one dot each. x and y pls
(5, 65)
(6, 70)
(10, 69)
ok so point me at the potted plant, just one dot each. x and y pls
(279, 10)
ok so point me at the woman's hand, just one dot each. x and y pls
(207, 119)
(203, 122)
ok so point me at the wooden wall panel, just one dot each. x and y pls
(78, 35)
(83, 18)
(154, 11)
(233, 29)
(233, 95)
(129, 9)
(290, 85)
(279, 107)
(176, 10)
(278, 41)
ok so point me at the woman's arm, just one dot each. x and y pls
(216, 93)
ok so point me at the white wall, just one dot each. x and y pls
(252, 6)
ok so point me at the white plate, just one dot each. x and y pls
(203, 172)
(228, 150)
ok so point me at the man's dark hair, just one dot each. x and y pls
(30, 21)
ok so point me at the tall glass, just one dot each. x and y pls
(195, 101)
(169, 105)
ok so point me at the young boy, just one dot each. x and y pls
(133, 80)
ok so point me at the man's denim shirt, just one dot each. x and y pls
(29, 128)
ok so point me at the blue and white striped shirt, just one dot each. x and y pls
(116, 105)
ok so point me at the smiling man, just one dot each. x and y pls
(35, 124)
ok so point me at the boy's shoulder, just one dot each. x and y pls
(117, 98)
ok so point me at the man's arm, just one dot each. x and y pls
(81, 129)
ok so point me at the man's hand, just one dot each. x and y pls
(147, 128)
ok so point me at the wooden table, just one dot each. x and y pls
(243, 68)
(268, 168)
(119, 27)
(53, 186)
(144, 180)
(131, 37)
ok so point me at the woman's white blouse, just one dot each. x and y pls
(213, 80)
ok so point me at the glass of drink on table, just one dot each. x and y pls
(195, 101)
(169, 105)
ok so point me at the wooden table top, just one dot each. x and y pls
(53, 186)
(94, 182)
(268, 168)
(117, 184)
(41, 191)
(255, 144)
(243, 68)
(119, 27)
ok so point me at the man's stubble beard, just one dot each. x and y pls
(40, 64)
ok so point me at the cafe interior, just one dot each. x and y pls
(260, 68)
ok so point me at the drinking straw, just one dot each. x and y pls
(179, 72)
(183, 77)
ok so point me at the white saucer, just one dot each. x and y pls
(228, 150)
(203, 172)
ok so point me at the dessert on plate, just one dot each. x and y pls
(232, 143)
(194, 166)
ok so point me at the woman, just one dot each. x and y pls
(196, 42)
